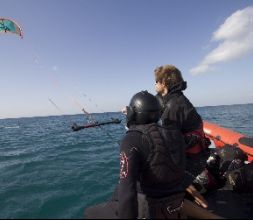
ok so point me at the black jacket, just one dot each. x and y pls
(178, 110)
(134, 151)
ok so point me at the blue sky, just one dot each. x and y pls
(97, 53)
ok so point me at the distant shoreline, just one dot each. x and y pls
(23, 117)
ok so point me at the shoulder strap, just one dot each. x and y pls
(145, 138)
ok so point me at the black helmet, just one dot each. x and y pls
(144, 108)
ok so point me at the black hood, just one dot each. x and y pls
(178, 87)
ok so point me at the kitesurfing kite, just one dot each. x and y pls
(7, 25)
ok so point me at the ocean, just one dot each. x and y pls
(49, 171)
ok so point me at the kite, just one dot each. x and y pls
(7, 25)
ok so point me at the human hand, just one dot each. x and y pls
(124, 110)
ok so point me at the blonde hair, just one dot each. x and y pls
(168, 74)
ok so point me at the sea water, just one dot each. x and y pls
(49, 171)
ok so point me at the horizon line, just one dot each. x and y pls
(44, 116)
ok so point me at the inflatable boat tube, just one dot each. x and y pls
(222, 136)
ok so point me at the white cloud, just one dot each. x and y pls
(236, 36)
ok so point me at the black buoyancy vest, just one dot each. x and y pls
(165, 162)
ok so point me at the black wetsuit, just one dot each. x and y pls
(136, 181)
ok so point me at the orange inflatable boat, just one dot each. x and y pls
(221, 136)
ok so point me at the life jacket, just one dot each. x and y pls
(196, 141)
(165, 162)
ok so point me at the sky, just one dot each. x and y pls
(96, 54)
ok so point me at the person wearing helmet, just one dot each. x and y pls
(152, 170)
(178, 110)
(151, 163)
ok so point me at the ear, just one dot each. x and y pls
(164, 89)
(163, 83)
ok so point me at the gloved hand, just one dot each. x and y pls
(191, 140)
